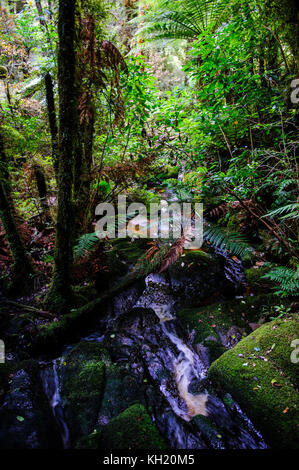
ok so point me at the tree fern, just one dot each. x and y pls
(182, 19)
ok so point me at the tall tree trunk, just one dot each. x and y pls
(41, 185)
(40, 13)
(52, 121)
(22, 269)
(82, 175)
(83, 163)
(60, 293)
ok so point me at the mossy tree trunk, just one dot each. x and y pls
(22, 269)
(52, 121)
(83, 164)
(83, 175)
(41, 185)
(60, 293)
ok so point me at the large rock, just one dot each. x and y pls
(138, 319)
(220, 326)
(82, 386)
(259, 374)
(26, 420)
(199, 277)
(131, 429)
(122, 389)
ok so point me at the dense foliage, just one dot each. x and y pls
(215, 107)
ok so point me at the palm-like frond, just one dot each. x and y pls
(286, 278)
(234, 242)
(85, 245)
(290, 211)
(182, 19)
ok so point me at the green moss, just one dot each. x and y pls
(223, 315)
(127, 250)
(259, 374)
(194, 260)
(131, 429)
(122, 389)
(233, 223)
(172, 171)
(255, 279)
(209, 321)
(198, 257)
(89, 442)
(82, 385)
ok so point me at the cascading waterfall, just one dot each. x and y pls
(51, 386)
(186, 367)
(177, 370)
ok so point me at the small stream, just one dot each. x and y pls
(50, 380)
(186, 413)
(172, 364)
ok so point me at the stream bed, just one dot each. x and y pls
(147, 341)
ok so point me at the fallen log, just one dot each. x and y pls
(29, 308)
(49, 339)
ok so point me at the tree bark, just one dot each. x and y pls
(41, 185)
(22, 265)
(52, 121)
(60, 293)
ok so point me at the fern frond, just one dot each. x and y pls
(183, 19)
(86, 244)
(291, 209)
(173, 254)
(234, 242)
(286, 278)
(151, 260)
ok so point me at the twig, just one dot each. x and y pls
(42, 313)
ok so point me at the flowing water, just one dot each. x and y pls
(178, 371)
(174, 367)
(50, 379)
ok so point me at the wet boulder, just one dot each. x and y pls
(82, 386)
(26, 420)
(220, 326)
(131, 429)
(137, 319)
(198, 277)
(122, 389)
(260, 375)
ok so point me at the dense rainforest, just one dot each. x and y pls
(119, 330)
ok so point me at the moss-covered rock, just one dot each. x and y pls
(189, 276)
(259, 374)
(168, 171)
(256, 282)
(26, 419)
(82, 386)
(224, 323)
(131, 429)
(127, 250)
(194, 259)
(51, 337)
(89, 442)
(122, 389)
